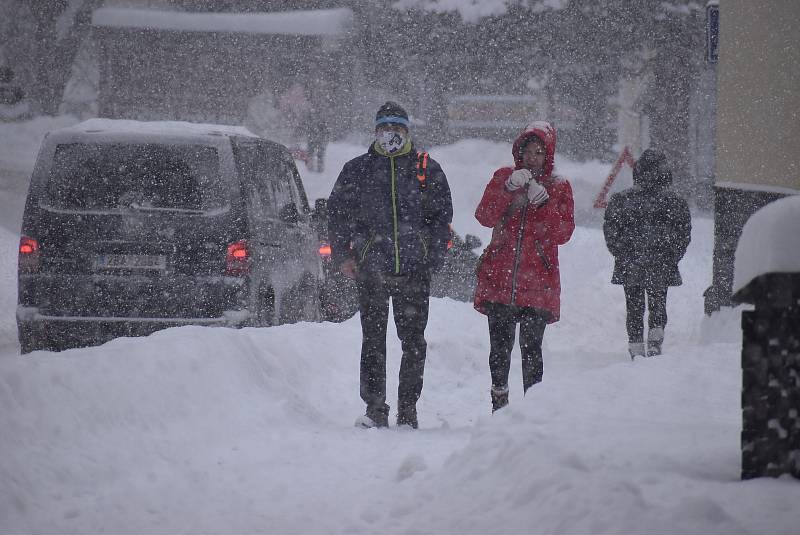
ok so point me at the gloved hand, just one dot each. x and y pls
(518, 178)
(537, 195)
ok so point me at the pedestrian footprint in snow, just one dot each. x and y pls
(389, 215)
(647, 229)
(531, 212)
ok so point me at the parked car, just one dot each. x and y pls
(339, 296)
(456, 278)
(130, 227)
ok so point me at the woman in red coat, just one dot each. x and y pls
(531, 212)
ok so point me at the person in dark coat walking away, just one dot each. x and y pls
(647, 229)
(389, 213)
(531, 211)
(317, 127)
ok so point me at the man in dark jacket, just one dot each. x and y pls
(647, 230)
(389, 213)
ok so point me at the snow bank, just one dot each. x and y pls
(207, 430)
(9, 247)
(570, 459)
(21, 141)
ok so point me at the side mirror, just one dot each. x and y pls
(289, 214)
(472, 242)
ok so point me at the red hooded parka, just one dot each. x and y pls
(520, 264)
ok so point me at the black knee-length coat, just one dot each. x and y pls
(648, 227)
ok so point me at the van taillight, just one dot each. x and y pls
(28, 254)
(237, 260)
(325, 251)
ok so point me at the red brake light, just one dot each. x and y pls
(28, 254)
(237, 260)
(28, 245)
(325, 250)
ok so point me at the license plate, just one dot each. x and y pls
(131, 262)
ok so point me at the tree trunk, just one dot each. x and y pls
(55, 51)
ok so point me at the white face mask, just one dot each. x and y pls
(391, 141)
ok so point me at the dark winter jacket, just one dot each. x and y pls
(648, 227)
(380, 215)
(520, 264)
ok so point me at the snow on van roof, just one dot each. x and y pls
(301, 22)
(161, 128)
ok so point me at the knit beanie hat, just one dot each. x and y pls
(391, 113)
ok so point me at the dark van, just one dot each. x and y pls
(130, 227)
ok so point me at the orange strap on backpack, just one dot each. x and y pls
(422, 168)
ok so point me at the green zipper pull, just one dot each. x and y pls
(394, 219)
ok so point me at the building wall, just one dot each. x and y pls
(758, 127)
(215, 77)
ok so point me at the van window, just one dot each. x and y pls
(265, 168)
(254, 164)
(297, 183)
(110, 176)
(281, 185)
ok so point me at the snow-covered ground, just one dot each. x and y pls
(204, 431)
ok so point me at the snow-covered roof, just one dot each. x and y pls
(177, 129)
(324, 22)
(770, 242)
(474, 10)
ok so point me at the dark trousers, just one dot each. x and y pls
(409, 295)
(503, 321)
(635, 303)
(316, 149)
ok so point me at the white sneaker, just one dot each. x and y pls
(636, 349)
(656, 334)
(655, 337)
(365, 422)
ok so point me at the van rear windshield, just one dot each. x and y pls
(112, 176)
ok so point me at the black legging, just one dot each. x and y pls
(503, 321)
(634, 303)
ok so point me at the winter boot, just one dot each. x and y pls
(407, 416)
(499, 397)
(636, 349)
(374, 417)
(655, 337)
